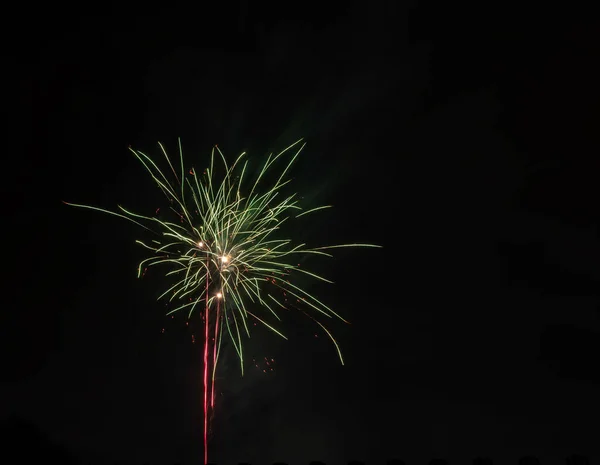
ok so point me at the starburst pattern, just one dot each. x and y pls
(224, 253)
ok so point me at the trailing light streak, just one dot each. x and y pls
(222, 250)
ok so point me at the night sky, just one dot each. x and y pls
(464, 140)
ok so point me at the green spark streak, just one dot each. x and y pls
(313, 210)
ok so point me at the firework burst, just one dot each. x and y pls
(225, 255)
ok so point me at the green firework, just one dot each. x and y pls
(223, 252)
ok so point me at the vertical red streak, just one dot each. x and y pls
(206, 371)
(214, 364)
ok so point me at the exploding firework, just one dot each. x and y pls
(224, 255)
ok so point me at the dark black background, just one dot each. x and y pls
(463, 139)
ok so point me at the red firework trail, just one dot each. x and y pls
(209, 386)
(212, 402)
(206, 342)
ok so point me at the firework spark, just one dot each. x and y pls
(224, 253)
